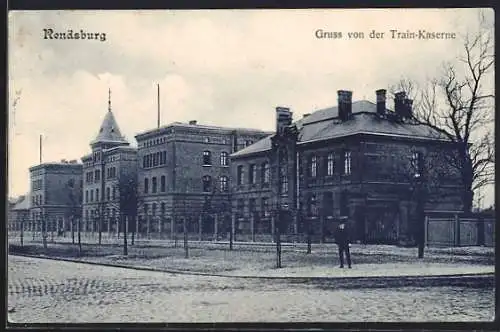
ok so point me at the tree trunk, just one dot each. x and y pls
(79, 237)
(309, 235)
(99, 225)
(125, 224)
(72, 230)
(22, 232)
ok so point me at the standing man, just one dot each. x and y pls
(342, 240)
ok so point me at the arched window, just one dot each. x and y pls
(207, 183)
(207, 158)
(163, 183)
(224, 183)
(224, 159)
(266, 173)
(154, 185)
(239, 176)
(330, 164)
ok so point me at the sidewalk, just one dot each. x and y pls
(322, 262)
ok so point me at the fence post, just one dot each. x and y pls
(426, 231)
(200, 221)
(272, 228)
(457, 230)
(252, 225)
(216, 226)
(480, 231)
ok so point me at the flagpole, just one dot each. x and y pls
(40, 148)
(158, 98)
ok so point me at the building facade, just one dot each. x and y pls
(184, 172)
(54, 195)
(109, 176)
(358, 160)
(19, 213)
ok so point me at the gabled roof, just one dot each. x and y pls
(109, 132)
(325, 124)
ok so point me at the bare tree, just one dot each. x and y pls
(127, 201)
(75, 195)
(459, 106)
(428, 180)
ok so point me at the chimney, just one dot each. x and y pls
(306, 115)
(381, 99)
(193, 122)
(344, 104)
(409, 107)
(399, 103)
(283, 118)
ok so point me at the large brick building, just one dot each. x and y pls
(357, 159)
(184, 171)
(54, 194)
(106, 171)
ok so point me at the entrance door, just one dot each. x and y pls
(381, 224)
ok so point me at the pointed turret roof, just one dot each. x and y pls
(109, 132)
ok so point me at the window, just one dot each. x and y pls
(86, 196)
(252, 174)
(313, 163)
(91, 195)
(108, 193)
(347, 162)
(162, 208)
(328, 203)
(154, 185)
(114, 193)
(266, 173)
(248, 142)
(146, 209)
(224, 183)
(163, 157)
(207, 158)
(283, 181)
(416, 164)
(97, 175)
(207, 183)
(265, 207)
(146, 185)
(239, 175)
(89, 177)
(312, 206)
(163, 183)
(153, 209)
(97, 195)
(330, 164)
(223, 159)
(240, 207)
(252, 206)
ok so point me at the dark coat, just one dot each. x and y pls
(342, 237)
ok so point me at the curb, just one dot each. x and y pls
(486, 279)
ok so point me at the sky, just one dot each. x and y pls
(220, 67)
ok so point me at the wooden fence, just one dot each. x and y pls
(460, 231)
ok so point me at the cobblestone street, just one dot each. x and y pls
(52, 291)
